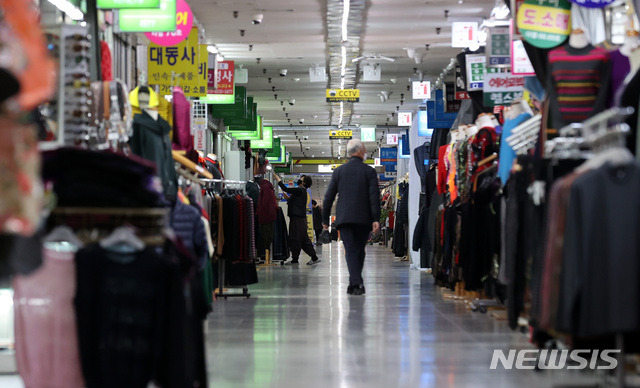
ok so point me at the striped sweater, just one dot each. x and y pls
(578, 83)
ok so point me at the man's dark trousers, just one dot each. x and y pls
(299, 238)
(355, 239)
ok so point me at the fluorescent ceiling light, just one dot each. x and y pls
(341, 112)
(212, 49)
(343, 70)
(346, 4)
(68, 8)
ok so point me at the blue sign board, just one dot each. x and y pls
(388, 156)
(437, 117)
(405, 152)
(423, 124)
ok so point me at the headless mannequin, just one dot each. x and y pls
(485, 121)
(578, 39)
(471, 130)
(517, 109)
(143, 100)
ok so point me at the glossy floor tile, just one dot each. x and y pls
(301, 329)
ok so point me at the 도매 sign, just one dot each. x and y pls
(160, 19)
(476, 70)
(421, 90)
(340, 134)
(520, 63)
(544, 23)
(405, 119)
(502, 89)
(177, 66)
(464, 34)
(184, 22)
(498, 47)
(346, 95)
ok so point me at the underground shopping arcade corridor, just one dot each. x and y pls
(301, 329)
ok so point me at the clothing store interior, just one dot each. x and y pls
(152, 151)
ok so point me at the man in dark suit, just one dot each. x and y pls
(358, 209)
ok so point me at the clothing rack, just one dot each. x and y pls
(524, 136)
(222, 264)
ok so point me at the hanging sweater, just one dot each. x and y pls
(578, 83)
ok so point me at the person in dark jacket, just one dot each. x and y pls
(317, 219)
(357, 212)
(298, 236)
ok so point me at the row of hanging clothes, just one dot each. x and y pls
(462, 223)
(399, 245)
(113, 297)
(571, 263)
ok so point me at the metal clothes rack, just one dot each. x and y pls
(222, 264)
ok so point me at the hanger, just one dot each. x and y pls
(123, 235)
(190, 165)
(60, 236)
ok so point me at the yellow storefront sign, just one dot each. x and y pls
(183, 65)
(340, 134)
(346, 95)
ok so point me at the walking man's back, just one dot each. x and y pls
(357, 211)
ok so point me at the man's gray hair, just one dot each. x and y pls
(354, 146)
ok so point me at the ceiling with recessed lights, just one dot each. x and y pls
(297, 35)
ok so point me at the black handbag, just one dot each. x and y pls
(325, 237)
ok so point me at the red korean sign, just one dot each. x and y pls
(502, 89)
(223, 78)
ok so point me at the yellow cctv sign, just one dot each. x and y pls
(343, 95)
(340, 134)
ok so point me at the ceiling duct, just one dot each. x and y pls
(342, 69)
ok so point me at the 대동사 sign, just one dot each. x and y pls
(177, 66)
(544, 23)
(502, 89)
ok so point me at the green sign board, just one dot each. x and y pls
(281, 158)
(218, 99)
(161, 19)
(499, 47)
(274, 152)
(368, 133)
(125, 4)
(266, 142)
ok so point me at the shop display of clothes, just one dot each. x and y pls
(579, 83)
(400, 243)
(151, 141)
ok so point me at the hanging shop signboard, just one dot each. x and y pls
(502, 89)
(368, 133)
(460, 86)
(452, 105)
(346, 95)
(222, 81)
(476, 70)
(464, 34)
(274, 152)
(405, 119)
(421, 90)
(199, 139)
(391, 171)
(340, 135)
(161, 19)
(266, 142)
(520, 63)
(392, 139)
(184, 23)
(177, 66)
(423, 124)
(545, 23)
(515, 6)
(499, 47)
(593, 3)
(389, 156)
(125, 4)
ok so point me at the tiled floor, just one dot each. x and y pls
(301, 329)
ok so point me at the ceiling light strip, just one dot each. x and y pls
(345, 19)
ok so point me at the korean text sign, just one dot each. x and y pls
(223, 78)
(544, 23)
(502, 89)
(178, 65)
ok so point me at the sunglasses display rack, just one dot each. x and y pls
(68, 116)
(112, 112)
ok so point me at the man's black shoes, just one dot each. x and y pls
(355, 290)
